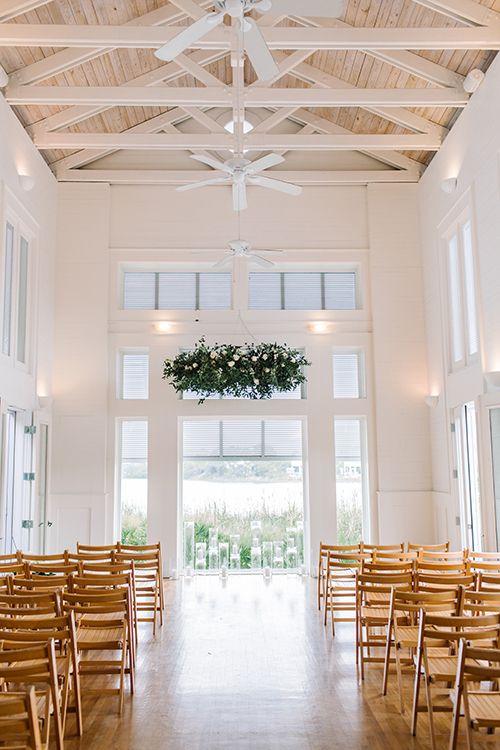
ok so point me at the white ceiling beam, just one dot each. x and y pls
(362, 38)
(67, 59)
(216, 142)
(410, 62)
(12, 8)
(464, 11)
(216, 96)
(405, 118)
(171, 177)
(164, 74)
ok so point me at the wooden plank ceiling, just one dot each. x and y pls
(326, 68)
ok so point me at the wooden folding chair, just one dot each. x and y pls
(477, 692)
(36, 666)
(437, 581)
(373, 596)
(102, 625)
(94, 557)
(394, 556)
(39, 583)
(340, 586)
(403, 626)
(95, 549)
(444, 547)
(457, 567)
(488, 580)
(10, 558)
(375, 548)
(60, 558)
(19, 721)
(436, 660)
(34, 570)
(18, 633)
(11, 569)
(148, 583)
(29, 604)
(387, 566)
(461, 556)
(324, 549)
(146, 548)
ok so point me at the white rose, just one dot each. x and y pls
(264, 356)
(254, 359)
(213, 355)
(267, 369)
(256, 381)
(195, 365)
(236, 358)
(231, 364)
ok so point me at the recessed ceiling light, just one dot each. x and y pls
(229, 126)
(319, 326)
(163, 326)
(473, 80)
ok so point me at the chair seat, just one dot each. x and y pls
(407, 636)
(100, 637)
(484, 708)
(443, 668)
(375, 613)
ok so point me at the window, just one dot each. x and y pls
(133, 473)
(176, 291)
(351, 472)
(462, 302)
(15, 288)
(247, 437)
(134, 370)
(348, 374)
(466, 455)
(303, 291)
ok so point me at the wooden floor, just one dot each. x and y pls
(248, 664)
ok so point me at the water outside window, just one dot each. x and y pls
(243, 504)
(351, 478)
(134, 481)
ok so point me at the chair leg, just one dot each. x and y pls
(455, 721)
(416, 694)
(387, 657)
(430, 712)
(399, 673)
(57, 717)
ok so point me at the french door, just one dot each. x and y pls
(466, 475)
(16, 496)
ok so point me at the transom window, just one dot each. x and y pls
(15, 270)
(303, 291)
(348, 374)
(134, 375)
(145, 290)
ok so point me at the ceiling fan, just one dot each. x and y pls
(255, 45)
(242, 249)
(240, 173)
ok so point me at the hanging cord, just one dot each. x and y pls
(246, 328)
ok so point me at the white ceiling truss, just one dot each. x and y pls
(287, 99)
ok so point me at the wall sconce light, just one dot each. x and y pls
(432, 401)
(163, 326)
(44, 402)
(26, 181)
(4, 78)
(493, 378)
(449, 185)
(473, 80)
(319, 326)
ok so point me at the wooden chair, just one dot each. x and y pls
(444, 547)
(148, 583)
(30, 604)
(19, 721)
(488, 581)
(324, 549)
(126, 548)
(443, 557)
(480, 602)
(481, 707)
(373, 596)
(11, 569)
(36, 666)
(96, 557)
(11, 558)
(437, 660)
(387, 566)
(36, 570)
(374, 548)
(24, 632)
(394, 556)
(39, 583)
(340, 586)
(56, 559)
(437, 581)
(403, 626)
(458, 567)
(102, 621)
(94, 549)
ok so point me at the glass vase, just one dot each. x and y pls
(234, 552)
(278, 559)
(201, 556)
(189, 549)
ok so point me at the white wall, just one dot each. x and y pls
(19, 386)
(101, 228)
(471, 152)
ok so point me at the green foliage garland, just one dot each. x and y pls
(250, 370)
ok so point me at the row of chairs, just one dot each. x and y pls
(439, 623)
(62, 625)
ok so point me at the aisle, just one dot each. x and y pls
(248, 664)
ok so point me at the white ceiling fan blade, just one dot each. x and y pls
(314, 8)
(281, 187)
(223, 263)
(239, 196)
(258, 52)
(189, 36)
(271, 160)
(260, 261)
(203, 183)
(214, 163)
(262, 250)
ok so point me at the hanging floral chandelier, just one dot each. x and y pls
(250, 370)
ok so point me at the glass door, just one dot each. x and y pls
(42, 487)
(467, 475)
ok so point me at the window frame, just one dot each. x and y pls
(362, 374)
(340, 269)
(157, 271)
(121, 353)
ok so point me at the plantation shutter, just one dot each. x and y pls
(177, 291)
(215, 291)
(348, 439)
(303, 291)
(139, 290)
(264, 291)
(283, 437)
(340, 291)
(134, 441)
(347, 375)
(135, 375)
(242, 438)
(201, 438)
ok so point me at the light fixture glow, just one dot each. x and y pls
(26, 181)
(449, 185)
(319, 326)
(247, 126)
(493, 378)
(473, 80)
(4, 78)
(163, 326)
(432, 400)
